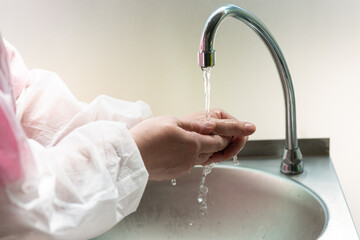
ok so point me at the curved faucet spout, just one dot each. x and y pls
(292, 159)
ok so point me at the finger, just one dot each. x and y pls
(203, 126)
(233, 127)
(220, 114)
(233, 149)
(212, 143)
(204, 157)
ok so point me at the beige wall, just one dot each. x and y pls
(146, 49)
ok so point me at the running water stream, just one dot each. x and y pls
(207, 169)
(206, 75)
(203, 190)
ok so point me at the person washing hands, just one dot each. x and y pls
(71, 170)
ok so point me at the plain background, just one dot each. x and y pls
(147, 49)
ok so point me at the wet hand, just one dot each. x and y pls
(226, 126)
(170, 146)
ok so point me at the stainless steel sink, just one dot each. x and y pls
(250, 201)
(242, 204)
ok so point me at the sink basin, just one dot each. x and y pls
(242, 204)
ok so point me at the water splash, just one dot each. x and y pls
(203, 190)
(173, 182)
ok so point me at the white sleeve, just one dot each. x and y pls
(87, 172)
(48, 111)
(83, 186)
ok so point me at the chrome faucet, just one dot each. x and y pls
(292, 159)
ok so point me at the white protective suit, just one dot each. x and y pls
(68, 170)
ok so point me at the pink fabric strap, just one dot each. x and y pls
(12, 138)
(18, 70)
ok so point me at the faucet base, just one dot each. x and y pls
(292, 163)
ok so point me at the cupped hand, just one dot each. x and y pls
(170, 146)
(226, 126)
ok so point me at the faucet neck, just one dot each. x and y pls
(207, 59)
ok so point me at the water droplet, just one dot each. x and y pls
(236, 160)
(190, 223)
(203, 207)
(200, 199)
(173, 182)
(203, 189)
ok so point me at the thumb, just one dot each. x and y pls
(202, 126)
(233, 127)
